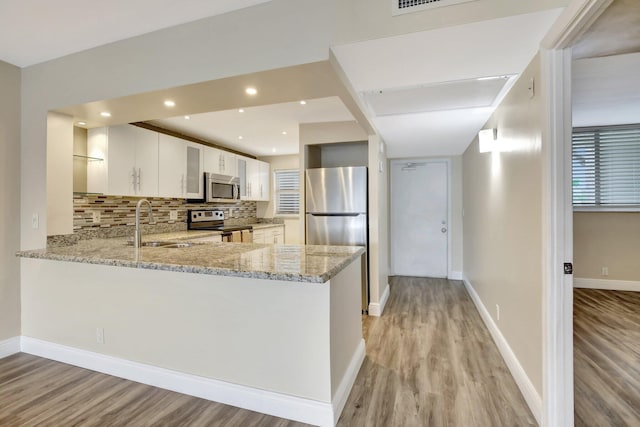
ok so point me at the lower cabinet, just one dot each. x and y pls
(270, 235)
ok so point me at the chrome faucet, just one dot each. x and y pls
(137, 239)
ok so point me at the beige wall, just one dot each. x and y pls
(9, 201)
(502, 199)
(606, 239)
(192, 323)
(59, 174)
(79, 163)
(267, 209)
(378, 221)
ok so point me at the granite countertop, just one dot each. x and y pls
(296, 263)
(260, 226)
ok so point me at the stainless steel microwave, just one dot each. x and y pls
(221, 188)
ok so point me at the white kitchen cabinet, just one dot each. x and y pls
(131, 161)
(220, 162)
(195, 177)
(258, 236)
(172, 161)
(256, 179)
(269, 235)
(278, 235)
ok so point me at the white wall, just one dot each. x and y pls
(267, 209)
(502, 196)
(272, 35)
(9, 201)
(59, 174)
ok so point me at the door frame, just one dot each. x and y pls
(446, 160)
(557, 303)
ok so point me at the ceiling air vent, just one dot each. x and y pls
(406, 6)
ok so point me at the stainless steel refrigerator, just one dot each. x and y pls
(336, 211)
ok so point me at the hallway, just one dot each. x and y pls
(430, 362)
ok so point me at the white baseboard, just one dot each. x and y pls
(455, 275)
(9, 347)
(267, 402)
(349, 378)
(611, 285)
(529, 392)
(375, 308)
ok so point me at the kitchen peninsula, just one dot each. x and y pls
(271, 328)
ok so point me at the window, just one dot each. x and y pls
(287, 192)
(606, 167)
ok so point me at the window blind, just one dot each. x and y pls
(606, 166)
(287, 183)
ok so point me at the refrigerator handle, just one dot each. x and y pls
(336, 214)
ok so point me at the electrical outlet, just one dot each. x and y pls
(96, 217)
(35, 221)
(100, 335)
(497, 312)
(605, 271)
(173, 215)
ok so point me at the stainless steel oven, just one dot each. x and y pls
(221, 188)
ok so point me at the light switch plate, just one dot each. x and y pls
(173, 215)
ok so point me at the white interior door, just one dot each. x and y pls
(419, 218)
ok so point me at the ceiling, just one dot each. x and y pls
(262, 131)
(34, 31)
(426, 93)
(468, 53)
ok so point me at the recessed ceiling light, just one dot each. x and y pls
(251, 91)
(273, 150)
(303, 102)
(240, 137)
(241, 110)
(105, 114)
(284, 132)
(81, 123)
(169, 103)
(187, 117)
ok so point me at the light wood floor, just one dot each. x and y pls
(430, 362)
(606, 336)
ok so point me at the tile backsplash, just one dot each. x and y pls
(92, 212)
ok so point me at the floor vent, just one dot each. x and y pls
(407, 6)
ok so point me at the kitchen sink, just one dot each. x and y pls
(177, 245)
(163, 244)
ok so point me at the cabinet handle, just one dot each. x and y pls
(139, 173)
(134, 179)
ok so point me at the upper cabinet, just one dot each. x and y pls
(141, 162)
(254, 179)
(172, 162)
(195, 177)
(131, 161)
(220, 162)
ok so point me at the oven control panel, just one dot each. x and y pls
(206, 215)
